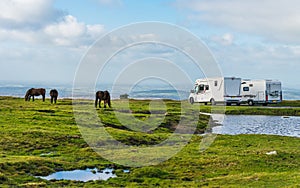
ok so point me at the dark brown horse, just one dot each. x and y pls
(102, 95)
(35, 92)
(53, 95)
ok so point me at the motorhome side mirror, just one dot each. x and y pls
(192, 91)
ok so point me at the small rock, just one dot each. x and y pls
(272, 153)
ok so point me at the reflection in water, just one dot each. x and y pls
(81, 175)
(258, 124)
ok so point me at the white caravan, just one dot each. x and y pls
(216, 90)
(261, 92)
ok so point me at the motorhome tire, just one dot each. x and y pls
(192, 100)
(265, 104)
(212, 101)
(250, 103)
(228, 104)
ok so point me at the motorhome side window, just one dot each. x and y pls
(245, 88)
(207, 87)
(216, 83)
(201, 87)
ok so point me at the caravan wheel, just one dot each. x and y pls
(192, 100)
(250, 103)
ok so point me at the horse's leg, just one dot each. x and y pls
(32, 97)
(43, 98)
(96, 102)
(51, 100)
(108, 101)
(104, 103)
(55, 98)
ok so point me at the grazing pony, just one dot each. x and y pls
(53, 95)
(102, 95)
(35, 92)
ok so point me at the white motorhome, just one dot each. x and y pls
(216, 90)
(261, 92)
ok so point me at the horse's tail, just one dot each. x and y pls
(53, 93)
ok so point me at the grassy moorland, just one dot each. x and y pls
(37, 138)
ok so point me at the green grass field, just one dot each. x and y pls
(39, 138)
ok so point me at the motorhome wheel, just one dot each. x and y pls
(250, 103)
(192, 100)
(212, 101)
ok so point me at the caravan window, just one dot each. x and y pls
(245, 88)
(274, 94)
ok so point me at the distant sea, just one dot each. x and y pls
(140, 92)
(66, 91)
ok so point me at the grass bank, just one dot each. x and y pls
(285, 108)
(38, 138)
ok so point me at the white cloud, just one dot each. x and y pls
(275, 20)
(68, 28)
(29, 13)
(225, 40)
(69, 31)
(259, 61)
(261, 38)
(94, 30)
(37, 21)
(38, 39)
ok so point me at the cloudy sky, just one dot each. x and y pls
(45, 40)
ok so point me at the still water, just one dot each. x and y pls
(82, 175)
(259, 124)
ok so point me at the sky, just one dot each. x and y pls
(46, 40)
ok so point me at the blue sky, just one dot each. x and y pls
(122, 12)
(46, 40)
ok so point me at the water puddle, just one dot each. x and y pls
(82, 175)
(259, 124)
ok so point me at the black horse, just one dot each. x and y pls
(53, 95)
(102, 95)
(35, 92)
